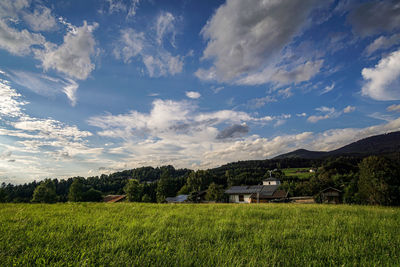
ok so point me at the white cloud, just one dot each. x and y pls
(282, 76)
(45, 85)
(328, 88)
(117, 6)
(243, 38)
(382, 43)
(286, 93)
(11, 8)
(382, 81)
(18, 42)
(380, 116)
(301, 114)
(10, 105)
(165, 25)
(73, 57)
(170, 118)
(41, 19)
(349, 109)
(260, 102)
(157, 60)
(193, 95)
(133, 8)
(39, 144)
(395, 108)
(329, 113)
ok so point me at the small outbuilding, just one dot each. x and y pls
(331, 195)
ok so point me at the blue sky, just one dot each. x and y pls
(91, 87)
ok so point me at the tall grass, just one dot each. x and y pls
(122, 234)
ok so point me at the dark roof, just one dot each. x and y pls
(177, 199)
(330, 189)
(113, 198)
(266, 190)
(271, 179)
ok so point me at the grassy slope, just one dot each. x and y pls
(302, 175)
(207, 235)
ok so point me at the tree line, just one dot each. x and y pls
(372, 180)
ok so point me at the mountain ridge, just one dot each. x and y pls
(373, 145)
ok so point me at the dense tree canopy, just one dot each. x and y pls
(45, 192)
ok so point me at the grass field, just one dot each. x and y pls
(124, 234)
(299, 172)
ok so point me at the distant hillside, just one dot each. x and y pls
(374, 145)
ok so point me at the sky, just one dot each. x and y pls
(98, 86)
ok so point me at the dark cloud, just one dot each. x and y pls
(235, 130)
(376, 16)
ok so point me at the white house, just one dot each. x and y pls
(256, 193)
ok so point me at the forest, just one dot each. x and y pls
(373, 180)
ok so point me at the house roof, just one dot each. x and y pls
(330, 189)
(271, 179)
(177, 199)
(265, 190)
(113, 198)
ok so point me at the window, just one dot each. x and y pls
(241, 198)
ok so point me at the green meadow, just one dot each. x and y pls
(130, 234)
(302, 173)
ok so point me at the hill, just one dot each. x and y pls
(374, 145)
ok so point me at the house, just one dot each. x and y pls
(177, 199)
(264, 193)
(331, 195)
(114, 198)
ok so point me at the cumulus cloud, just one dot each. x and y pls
(302, 72)
(73, 57)
(170, 118)
(18, 42)
(37, 144)
(242, 38)
(374, 17)
(11, 8)
(395, 108)
(10, 104)
(157, 60)
(149, 47)
(41, 19)
(382, 81)
(193, 95)
(233, 131)
(382, 43)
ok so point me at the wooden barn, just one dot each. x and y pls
(331, 195)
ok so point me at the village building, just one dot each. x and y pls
(331, 195)
(267, 192)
